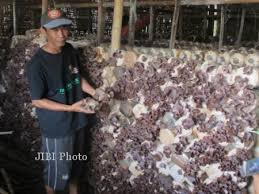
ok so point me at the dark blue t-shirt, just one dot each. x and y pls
(56, 77)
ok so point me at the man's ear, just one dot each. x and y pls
(43, 31)
(43, 37)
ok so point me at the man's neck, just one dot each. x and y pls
(51, 48)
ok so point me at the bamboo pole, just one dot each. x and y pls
(44, 6)
(242, 22)
(14, 18)
(174, 24)
(101, 22)
(151, 24)
(210, 22)
(181, 23)
(237, 21)
(53, 4)
(205, 24)
(132, 21)
(116, 25)
(216, 21)
(222, 24)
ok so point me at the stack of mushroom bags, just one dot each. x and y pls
(179, 121)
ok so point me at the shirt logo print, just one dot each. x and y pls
(73, 70)
(69, 86)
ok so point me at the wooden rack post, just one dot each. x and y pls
(132, 21)
(174, 23)
(205, 24)
(101, 22)
(14, 18)
(180, 32)
(241, 28)
(210, 21)
(151, 24)
(44, 7)
(222, 24)
(116, 25)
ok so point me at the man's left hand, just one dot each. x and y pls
(100, 95)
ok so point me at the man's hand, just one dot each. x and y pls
(100, 95)
(80, 107)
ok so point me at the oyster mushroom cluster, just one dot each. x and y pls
(173, 126)
(17, 111)
(177, 122)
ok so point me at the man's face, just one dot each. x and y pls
(57, 36)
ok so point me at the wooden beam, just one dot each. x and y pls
(78, 5)
(239, 1)
(74, 5)
(222, 24)
(189, 2)
(152, 3)
(151, 24)
(216, 2)
(217, 17)
(110, 4)
(210, 22)
(174, 24)
(33, 24)
(101, 22)
(132, 21)
(53, 3)
(44, 6)
(143, 3)
(205, 24)
(241, 28)
(14, 18)
(116, 25)
(181, 23)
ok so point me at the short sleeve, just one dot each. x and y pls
(78, 62)
(36, 80)
(77, 59)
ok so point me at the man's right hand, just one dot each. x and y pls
(78, 107)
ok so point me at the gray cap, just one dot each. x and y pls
(54, 18)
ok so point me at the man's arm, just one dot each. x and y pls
(87, 88)
(256, 183)
(55, 106)
(98, 94)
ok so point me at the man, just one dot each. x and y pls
(56, 89)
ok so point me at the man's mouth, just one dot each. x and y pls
(61, 39)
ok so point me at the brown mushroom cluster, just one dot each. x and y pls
(174, 125)
(17, 113)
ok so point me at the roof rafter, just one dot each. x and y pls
(146, 3)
